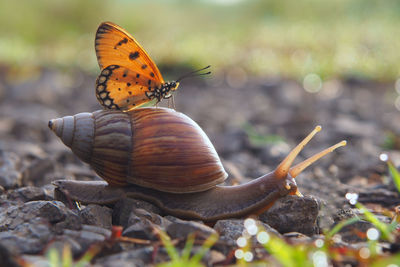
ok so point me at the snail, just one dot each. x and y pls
(164, 157)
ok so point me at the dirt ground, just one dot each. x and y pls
(228, 108)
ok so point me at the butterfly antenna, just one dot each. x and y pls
(195, 73)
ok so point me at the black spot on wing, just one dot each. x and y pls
(133, 56)
(123, 41)
(144, 66)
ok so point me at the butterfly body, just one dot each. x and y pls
(129, 78)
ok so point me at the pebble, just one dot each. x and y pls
(124, 207)
(28, 193)
(231, 229)
(10, 175)
(94, 214)
(293, 214)
(181, 229)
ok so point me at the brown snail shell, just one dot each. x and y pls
(157, 148)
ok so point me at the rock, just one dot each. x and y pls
(37, 170)
(293, 214)
(355, 232)
(130, 258)
(53, 213)
(141, 224)
(10, 175)
(97, 215)
(29, 238)
(6, 257)
(59, 243)
(28, 193)
(142, 229)
(124, 207)
(230, 230)
(181, 229)
(85, 238)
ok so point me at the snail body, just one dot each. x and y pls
(162, 156)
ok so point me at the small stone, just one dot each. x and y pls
(132, 258)
(98, 230)
(293, 214)
(28, 193)
(347, 233)
(97, 215)
(152, 217)
(10, 175)
(181, 229)
(60, 242)
(142, 229)
(231, 229)
(124, 207)
(84, 238)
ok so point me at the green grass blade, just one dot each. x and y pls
(208, 243)
(382, 227)
(188, 247)
(340, 225)
(395, 175)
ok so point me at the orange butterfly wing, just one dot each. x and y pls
(127, 70)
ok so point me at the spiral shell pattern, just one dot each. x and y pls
(157, 148)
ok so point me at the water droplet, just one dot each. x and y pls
(249, 222)
(372, 234)
(352, 198)
(248, 256)
(319, 243)
(253, 229)
(241, 241)
(263, 237)
(239, 254)
(364, 253)
(320, 259)
(383, 157)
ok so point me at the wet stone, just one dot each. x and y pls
(293, 214)
(97, 215)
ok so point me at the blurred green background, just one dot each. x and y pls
(337, 38)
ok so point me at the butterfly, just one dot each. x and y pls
(129, 78)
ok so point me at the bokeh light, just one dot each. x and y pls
(352, 198)
(239, 254)
(241, 241)
(312, 83)
(320, 259)
(364, 253)
(263, 237)
(319, 243)
(383, 157)
(372, 234)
